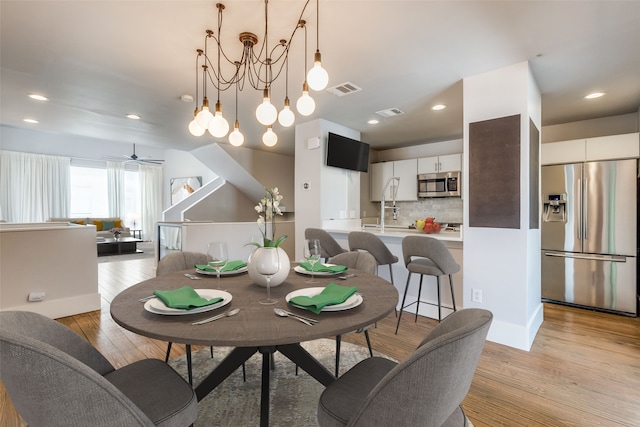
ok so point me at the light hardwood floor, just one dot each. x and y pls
(583, 368)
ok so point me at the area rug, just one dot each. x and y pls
(293, 399)
(148, 251)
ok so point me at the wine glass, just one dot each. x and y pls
(219, 256)
(267, 263)
(312, 255)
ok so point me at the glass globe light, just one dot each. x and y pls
(269, 138)
(195, 129)
(218, 126)
(286, 116)
(305, 105)
(204, 116)
(266, 113)
(236, 138)
(317, 77)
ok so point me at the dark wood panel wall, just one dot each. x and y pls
(534, 176)
(494, 173)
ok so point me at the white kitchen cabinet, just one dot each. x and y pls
(446, 163)
(406, 170)
(563, 152)
(612, 147)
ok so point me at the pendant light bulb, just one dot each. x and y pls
(236, 138)
(317, 77)
(194, 127)
(266, 113)
(269, 138)
(218, 126)
(286, 116)
(204, 116)
(305, 105)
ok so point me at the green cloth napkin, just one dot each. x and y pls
(319, 267)
(185, 298)
(332, 294)
(230, 266)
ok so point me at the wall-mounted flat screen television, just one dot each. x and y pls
(347, 153)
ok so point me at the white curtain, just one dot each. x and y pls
(115, 189)
(34, 187)
(151, 192)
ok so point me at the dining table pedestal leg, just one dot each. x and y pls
(294, 352)
(228, 366)
(267, 353)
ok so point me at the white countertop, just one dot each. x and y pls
(397, 232)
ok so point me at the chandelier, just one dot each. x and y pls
(260, 66)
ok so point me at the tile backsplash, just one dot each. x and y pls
(443, 209)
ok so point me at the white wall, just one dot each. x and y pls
(424, 150)
(504, 263)
(603, 126)
(53, 258)
(331, 194)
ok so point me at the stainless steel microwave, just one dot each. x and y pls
(443, 184)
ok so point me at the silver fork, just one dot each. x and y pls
(308, 319)
(191, 276)
(145, 299)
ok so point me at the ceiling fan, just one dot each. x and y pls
(134, 158)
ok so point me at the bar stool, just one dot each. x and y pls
(432, 258)
(328, 245)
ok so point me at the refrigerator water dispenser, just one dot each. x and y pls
(555, 208)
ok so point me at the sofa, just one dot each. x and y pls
(103, 225)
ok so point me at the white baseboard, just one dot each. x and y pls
(62, 307)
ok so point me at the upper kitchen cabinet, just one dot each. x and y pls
(447, 163)
(406, 170)
(612, 147)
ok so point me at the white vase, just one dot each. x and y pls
(276, 279)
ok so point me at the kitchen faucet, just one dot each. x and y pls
(394, 191)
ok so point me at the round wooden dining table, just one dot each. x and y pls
(256, 327)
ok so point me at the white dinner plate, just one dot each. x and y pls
(351, 302)
(223, 273)
(302, 270)
(155, 305)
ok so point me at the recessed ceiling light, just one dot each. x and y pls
(37, 97)
(438, 107)
(594, 95)
(133, 116)
(30, 121)
(373, 122)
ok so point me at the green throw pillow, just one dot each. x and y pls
(108, 225)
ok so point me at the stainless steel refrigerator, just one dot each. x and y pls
(589, 235)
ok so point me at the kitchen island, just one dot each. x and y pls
(392, 238)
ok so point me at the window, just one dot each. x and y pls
(89, 192)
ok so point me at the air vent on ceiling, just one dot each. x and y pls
(343, 89)
(390, 112)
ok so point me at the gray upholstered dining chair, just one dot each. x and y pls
(362, 261)
(328, 245)
(425, 255)
(178, 261)
(56, 378)
(425, 389)
(365, 241)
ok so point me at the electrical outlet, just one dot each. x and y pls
(476, 295)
